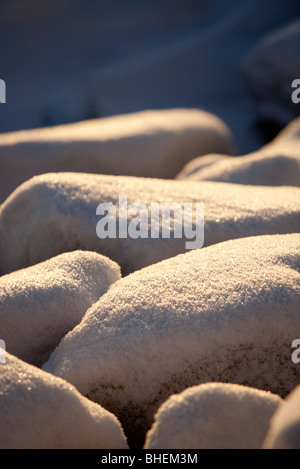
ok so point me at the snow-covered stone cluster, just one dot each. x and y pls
(143, 338)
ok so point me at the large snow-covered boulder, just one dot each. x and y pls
(275, 164)
(224, 313)
(40, 411)
(213, 416)
(147, 143)
(284, 431)
(55, 213)
(40, 304)
(271, 69)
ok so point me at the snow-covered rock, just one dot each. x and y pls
(55, 213)
(40, 411)
(40, 304)
(213, 416)
(270, 70)
(148, 143)
(284, 431)
(224, 313)
(275, 164)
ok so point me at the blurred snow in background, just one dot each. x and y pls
(70, 60)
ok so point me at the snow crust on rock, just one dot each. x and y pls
(213, 416)
(55, 213)
(224, 313)
(40, 304)
(284, 431)
(275, 164)
(41, 411)
(148, 143)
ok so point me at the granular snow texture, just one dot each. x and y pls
(40, 304)
(40, 411)
(213, 416)
(55, 213)
(225, 313)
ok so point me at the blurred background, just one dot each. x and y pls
(70, 60)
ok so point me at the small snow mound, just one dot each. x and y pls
(213, 416)
(41, 411)
(40, 304)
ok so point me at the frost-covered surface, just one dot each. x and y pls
(270, 69)
(284, 431)
(40, 304)
(40, 411)
(151, 85)
(275, 164)
(213, 416)
(224, 313)
(147, 143)
(54, 213)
